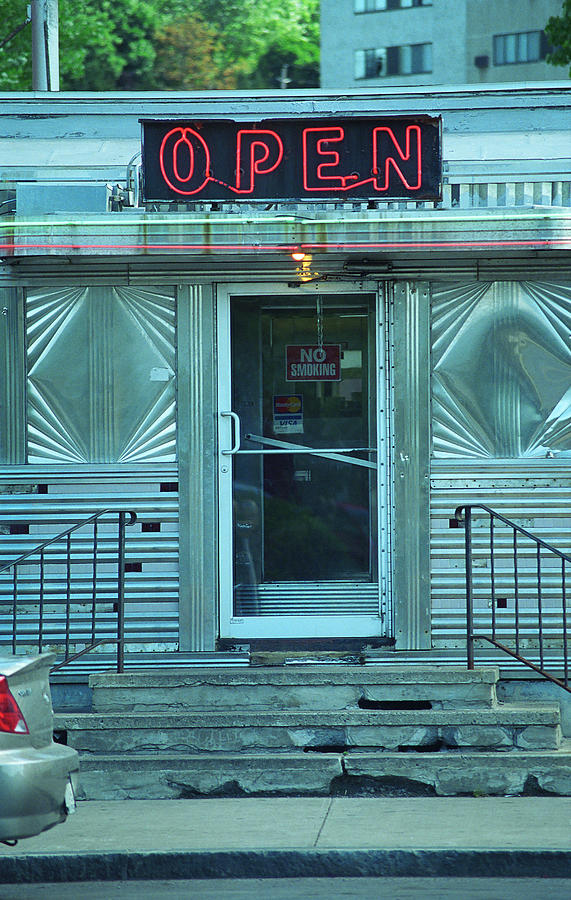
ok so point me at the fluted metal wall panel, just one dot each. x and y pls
(53, 498)
(198, 471)
(101, 366)
(410, 356)
(501, 382)
(12, 376)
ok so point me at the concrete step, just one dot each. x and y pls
(168, 775)
(530, 726)
(293, 687)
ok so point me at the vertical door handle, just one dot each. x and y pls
(235, 418)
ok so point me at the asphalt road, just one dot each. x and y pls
(300, 889)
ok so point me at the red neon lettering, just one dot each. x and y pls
(379, 139)
(178, 160)
(249, 144)
(185, 163)
(319, 144)
(317, 147)
(312, 141)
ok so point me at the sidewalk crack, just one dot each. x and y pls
(322, 826)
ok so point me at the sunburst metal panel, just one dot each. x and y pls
(501, 370)
(101, 366)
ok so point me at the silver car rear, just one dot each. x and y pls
(38, 778)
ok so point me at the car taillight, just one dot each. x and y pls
(11, 718)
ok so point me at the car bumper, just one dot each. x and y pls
(37, 789)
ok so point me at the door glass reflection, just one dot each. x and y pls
(303, 517)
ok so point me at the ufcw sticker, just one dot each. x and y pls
(311, 362)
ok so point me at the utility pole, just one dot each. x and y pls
(283, 79)
(45, 45)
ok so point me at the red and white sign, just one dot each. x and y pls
(311, 362)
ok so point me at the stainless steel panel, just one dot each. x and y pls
(12, 377)
(501, 382)
(197, 455)
(411, 422)
(335, 598)
(55, 497)
(444, 267)
(534, 493)
(101, 365)
(501, 388)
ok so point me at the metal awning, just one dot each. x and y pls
(421, 231)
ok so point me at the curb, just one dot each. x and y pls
(57, 867)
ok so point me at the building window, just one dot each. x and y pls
(523, 47)
(367, 6)
(409, 59)
(370, 63)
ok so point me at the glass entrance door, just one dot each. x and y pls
(301, 501)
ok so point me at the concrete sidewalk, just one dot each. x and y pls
(285, 837)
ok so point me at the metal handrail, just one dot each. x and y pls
(124, 519)
(463, 516)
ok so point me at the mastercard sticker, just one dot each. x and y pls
(288, 414)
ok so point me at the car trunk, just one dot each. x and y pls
(28, 681)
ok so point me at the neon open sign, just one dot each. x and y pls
(318, 159)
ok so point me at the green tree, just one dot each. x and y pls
(189, 56)
(104, 45)
(15, 56)
(107, 45)
(558, 30)
(266, 35)
(124, 44)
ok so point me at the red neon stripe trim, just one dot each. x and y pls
(333, 245)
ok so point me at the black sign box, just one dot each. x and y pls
(293, 159)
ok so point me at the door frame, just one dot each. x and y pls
(284, 626)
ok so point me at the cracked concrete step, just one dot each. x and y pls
(452, 773)
(461, 772)
(165, 775)
(525, 726)
(294, 687)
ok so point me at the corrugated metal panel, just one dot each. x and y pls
(12, 376)
(196, 424)
(535, 494)
(411, 427)
(53, 500)
(46, 271)
(309, 599)
(100, 662)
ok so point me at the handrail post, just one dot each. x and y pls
(121, 593)
(463, 515)
(469, 595)
(68, 596)
(14, 608)
(565, 643)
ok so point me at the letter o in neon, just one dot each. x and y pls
(182, 147)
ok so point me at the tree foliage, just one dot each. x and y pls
(189, 54)
(171, 44)
(558, 30)
(272, 33)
